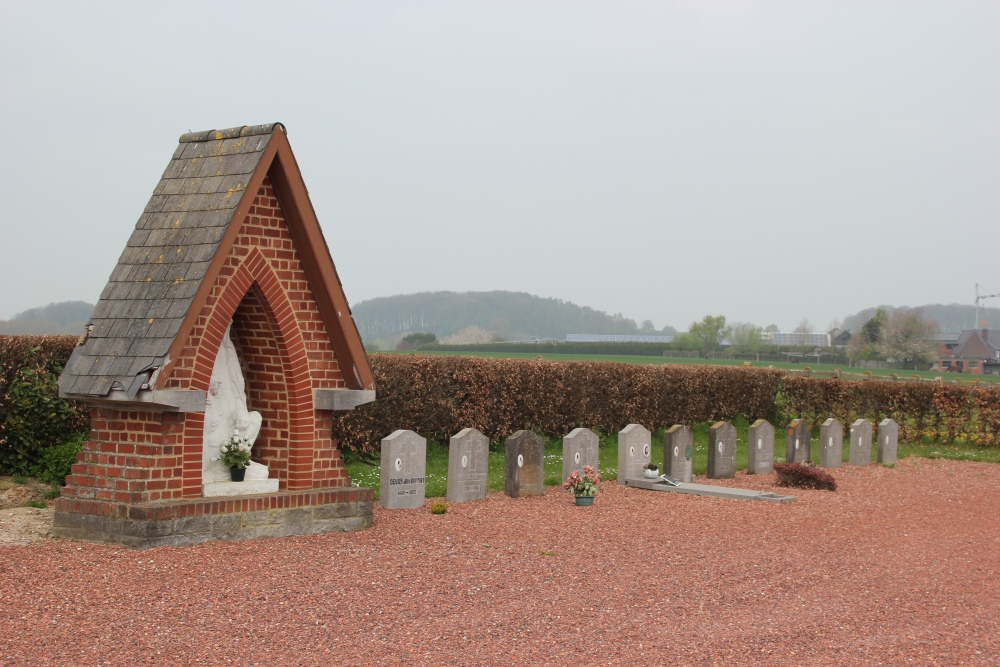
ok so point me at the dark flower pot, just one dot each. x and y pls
(237, 474)
(585, 501)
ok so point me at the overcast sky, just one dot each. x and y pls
(767, 161)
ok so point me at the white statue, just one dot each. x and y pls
(226, 411)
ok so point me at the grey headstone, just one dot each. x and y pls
(861, 443)
(798, 441)
(721, 451)
(760, 448)
(831, 443)
(404, 464)
(524, 465)
(634, 451)
(888, 438)
(468, 465)
(678, 452)
(580, 449)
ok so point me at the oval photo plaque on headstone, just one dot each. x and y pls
(645, 451)
(631, 451)
(399, 464)
(465, 461)
(677, 450)
(760, 443)
(520, 460)
(720, 447)
(688, 452)
(576, 458)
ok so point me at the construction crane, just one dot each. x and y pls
(979, 298)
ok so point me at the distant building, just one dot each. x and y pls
(616, 338)
(839, 337)
(797, 339)
(974, 351)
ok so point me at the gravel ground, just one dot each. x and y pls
(898, 567)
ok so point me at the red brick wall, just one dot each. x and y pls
(130, 457)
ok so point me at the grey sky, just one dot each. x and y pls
(766, 161)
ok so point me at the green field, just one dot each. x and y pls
(367, 473)
(821, 369)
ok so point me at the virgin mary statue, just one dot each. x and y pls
(225, 413)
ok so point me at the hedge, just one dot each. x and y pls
(437, 396)
(33, 419)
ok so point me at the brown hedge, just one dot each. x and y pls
(437, 396)
(920, 408)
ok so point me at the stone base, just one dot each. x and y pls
(708, 490)
(183, 522)
(247, 487)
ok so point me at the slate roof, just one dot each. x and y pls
(151, 289)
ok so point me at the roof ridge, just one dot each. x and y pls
(230, 133)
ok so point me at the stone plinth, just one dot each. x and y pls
(888, 440)
(721, 451)
(798, 441)
(185, 522)
(468, 465)
(831, 444)
(760, 448)
(861, 443)
(678, 452)
(247, 487)
(634, 451)
(402, 476)
(524, 465)
(580, 449)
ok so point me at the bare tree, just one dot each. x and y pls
(906, 338)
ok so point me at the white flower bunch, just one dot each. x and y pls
(235, 452)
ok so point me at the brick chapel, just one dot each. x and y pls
(228, 247)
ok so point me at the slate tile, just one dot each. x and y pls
(155, 203)
(234, 183)
(210, 184)
(212, 167)
(158, 308)
(178, 309)
(138, 237)
(218, 218)
(184, 290)
(201, 252)
(192, 167)
(196, 149)
(174, 169)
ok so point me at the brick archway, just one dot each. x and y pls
(254, 277)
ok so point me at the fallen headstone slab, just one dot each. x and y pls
(708, 490)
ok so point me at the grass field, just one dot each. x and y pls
(784, 365)
(367, 474)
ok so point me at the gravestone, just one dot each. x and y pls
(468, 463)
(760, 448)
(404, 463)
(524, 465)
(721, 451)
(798, 440)
(831, 443)
(579, 450)
(861, 443)
(634, 451)
(888, 437)
(678, 453)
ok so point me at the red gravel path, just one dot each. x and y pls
(898, 567)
